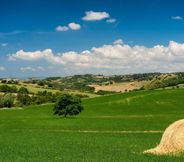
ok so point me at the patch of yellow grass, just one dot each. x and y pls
(120, 87)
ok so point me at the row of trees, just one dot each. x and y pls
(13, 89)
(66, 105)
(36, 99)
(21, 97)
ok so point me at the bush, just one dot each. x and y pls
(102, 92)
(68, 105)
(13, 89)
(3, 81)
(5, 88)
(23, 99)
(23, 90)
(7, 100)
(41, 83)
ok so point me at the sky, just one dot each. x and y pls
(62, 37)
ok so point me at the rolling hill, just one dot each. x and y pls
(111, 128)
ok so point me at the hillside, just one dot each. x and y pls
(93, 85)
(111, 128)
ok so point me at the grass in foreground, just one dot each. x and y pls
(111, 128)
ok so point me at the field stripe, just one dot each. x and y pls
(93, 131)
(122, 116)
(111, 132)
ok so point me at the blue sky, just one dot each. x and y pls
(31, 25)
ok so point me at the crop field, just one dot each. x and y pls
(115, 128)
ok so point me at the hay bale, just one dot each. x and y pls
(172, 141)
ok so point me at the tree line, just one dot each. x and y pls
(13, 96)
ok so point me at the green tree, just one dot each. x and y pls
(7, 100)
(5, 88)
(23, 99)
(13, 89)
(41, 83)
(68, 105)
(23, 90)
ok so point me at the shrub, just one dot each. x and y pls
(7, 100)
(102, 92)
(23, 99)
(5, 88)
(68, 105)
(23, 90)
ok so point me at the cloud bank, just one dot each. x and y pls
(115, 58)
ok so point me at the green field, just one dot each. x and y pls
(114, 128)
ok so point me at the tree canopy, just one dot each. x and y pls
(68, 105)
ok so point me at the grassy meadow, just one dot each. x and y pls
(111, 128)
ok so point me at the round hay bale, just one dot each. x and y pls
(172, 141)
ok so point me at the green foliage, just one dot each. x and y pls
(3, 81)
(23, 90)
(102, 92)
(41, 83)
(5, 88)
(23, 99)
(166, 81)
(68, 105)
(12, 82)
(7, 100)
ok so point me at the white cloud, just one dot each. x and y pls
(111, 20)
(4, 44)
(31, 55)
(177, 18)
(41, 68)
(95, 16)
(119, 41)
(28, 68)
(2, 68)
(74, 26)
(116, 58)
(61, 28)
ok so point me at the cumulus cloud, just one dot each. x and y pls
(95, 16)
(177, 18)
(111, 20)
(114, 58)
(118, 41)
(2, 68)
(61, 28)
(74, 26)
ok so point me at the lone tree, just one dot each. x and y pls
(68, 105)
